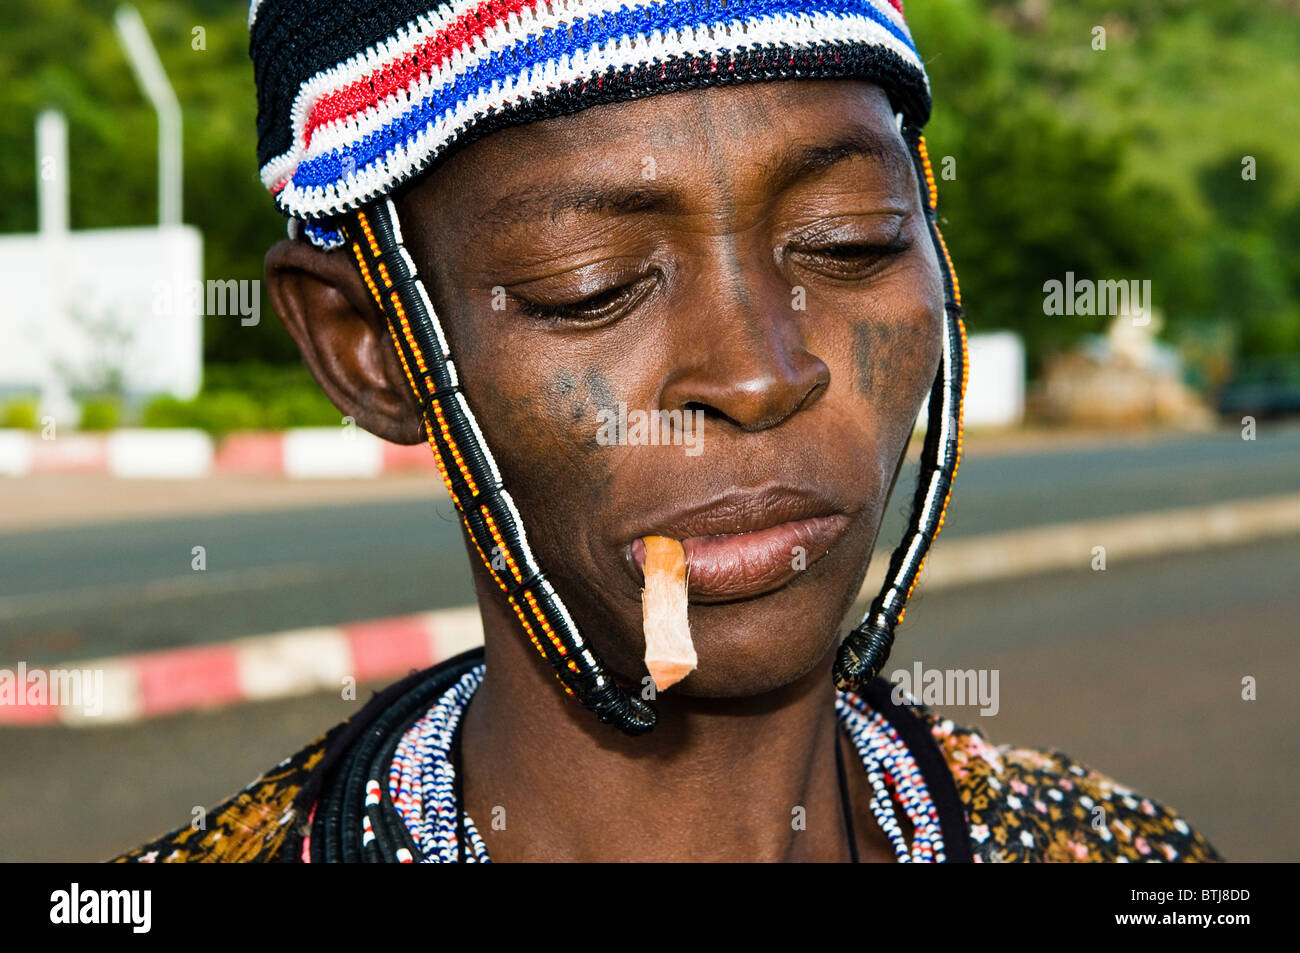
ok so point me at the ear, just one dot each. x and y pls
(343, 337)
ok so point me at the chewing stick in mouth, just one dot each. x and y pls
(669, 652)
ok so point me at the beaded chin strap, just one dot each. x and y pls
(374, 236)
(866, 649)
(473, 481)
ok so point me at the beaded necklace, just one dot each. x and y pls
(422, 782)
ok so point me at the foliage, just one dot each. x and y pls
(100, 413)
(22, 413)
(247, 397)
(1123, 163)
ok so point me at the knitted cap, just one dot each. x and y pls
(357, 97)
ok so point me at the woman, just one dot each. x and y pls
(512, 224)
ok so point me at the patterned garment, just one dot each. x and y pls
(995, 804)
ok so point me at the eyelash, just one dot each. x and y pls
(591, 309)
(604, 304)
(849, 253)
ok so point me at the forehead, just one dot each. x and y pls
(755, 138)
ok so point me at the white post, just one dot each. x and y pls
(52, 172)
(52, 227)
(150, 75)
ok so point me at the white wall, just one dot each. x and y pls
(995, 385)
(72, 303)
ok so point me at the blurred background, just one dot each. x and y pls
(183, 512)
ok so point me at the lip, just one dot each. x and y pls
(743, 544)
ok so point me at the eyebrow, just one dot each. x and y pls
(551, 202)
(799, 163)
(803, 162)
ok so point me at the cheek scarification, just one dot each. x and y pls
(602, 395)
(894, 363)
(871, 344)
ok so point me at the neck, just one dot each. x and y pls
(718, 779)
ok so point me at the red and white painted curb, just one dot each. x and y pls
(136, 687)
(305, 452)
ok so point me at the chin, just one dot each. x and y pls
(749, 647)
(761, 645)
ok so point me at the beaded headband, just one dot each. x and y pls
(340, 130)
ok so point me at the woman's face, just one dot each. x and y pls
(754, 258)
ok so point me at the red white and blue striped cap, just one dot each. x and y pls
(357, 98)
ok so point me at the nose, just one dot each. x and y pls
(744, 358)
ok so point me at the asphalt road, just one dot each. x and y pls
(1135, 671)
(110, 588)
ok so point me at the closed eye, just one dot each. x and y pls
(849, 260)
(602, 306)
